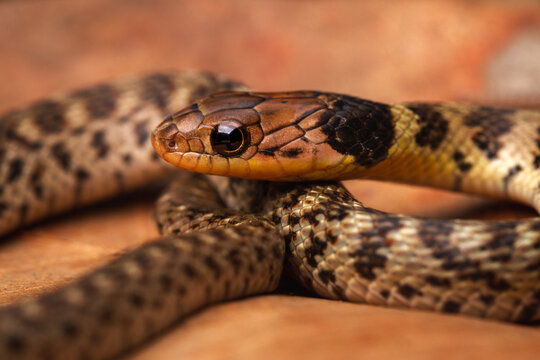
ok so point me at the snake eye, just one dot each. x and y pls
(229, 138)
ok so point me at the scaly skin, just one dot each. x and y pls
(85, 146)
(343, 250)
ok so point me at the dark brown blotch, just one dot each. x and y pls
(487, 299)
(35, 181)
(49, 116)
(70, 329)
(15, 344)
(408, 291)
(61, 155)
(451, 307)
(327, 276)
(157, 89)
(367, 260)
(141, 133)
(15, 170)
(190, 271)
(528, 313)
(100, 100)
(536, 161)
(81, 176)
(211, 263)
(136, 300)
(492, 123)
(99, 144)
(433, 125)
(437, 281)
(127, 159)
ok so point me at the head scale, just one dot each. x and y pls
(302, 135)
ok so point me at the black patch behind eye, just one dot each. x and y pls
(360, 128)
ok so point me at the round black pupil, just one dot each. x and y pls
(229, 136)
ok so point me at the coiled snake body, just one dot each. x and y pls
(91, 144)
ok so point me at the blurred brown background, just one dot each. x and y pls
(482, 51)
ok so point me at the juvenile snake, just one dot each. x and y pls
(88, 145)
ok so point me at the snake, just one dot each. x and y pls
(262, 194)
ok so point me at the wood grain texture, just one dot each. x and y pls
(387, 51)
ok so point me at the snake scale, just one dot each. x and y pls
(223, 238)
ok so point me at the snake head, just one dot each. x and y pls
(293, 136)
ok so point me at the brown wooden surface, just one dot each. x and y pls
(383, 50)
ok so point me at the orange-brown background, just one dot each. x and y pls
(383, 50)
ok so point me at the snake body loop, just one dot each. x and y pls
(225, 240)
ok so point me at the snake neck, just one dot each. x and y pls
(473, 149)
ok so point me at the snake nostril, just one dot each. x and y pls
(171, 145)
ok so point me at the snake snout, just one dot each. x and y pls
(166, 138)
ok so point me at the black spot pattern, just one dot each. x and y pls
(15, 170)
(98, 142)
(49, 116)
(433, 126)
(462, 165)
(511, 173)
(62, 155)
(527, 313)
(407, 291)
(142, 133)
(360, 128)
(136, 300)
(81, 175)
(70, 329)
(437, 281)
(23, 141)
(100, 100)
(536, 160)
(157, 89)
(451, 307)
(35, 182)
(366, 260)
(487, 299)
(15, 344)
(492, 123)
(127, 159)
